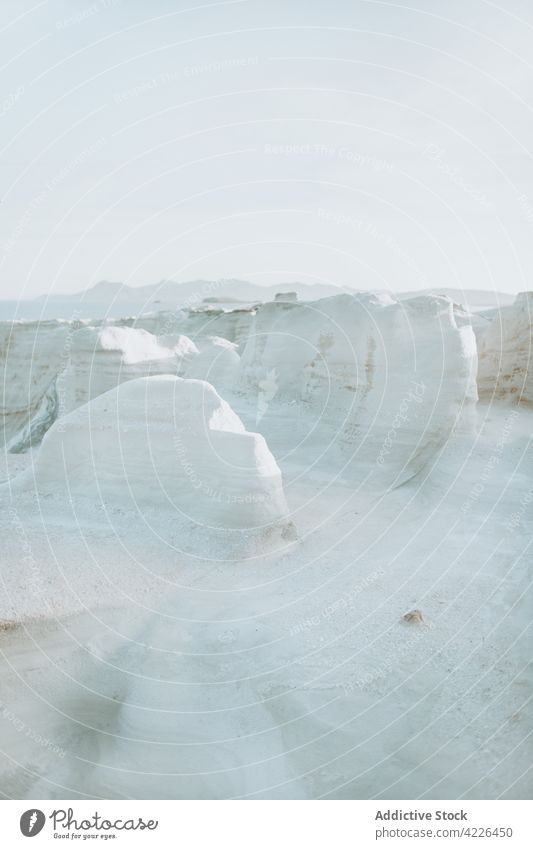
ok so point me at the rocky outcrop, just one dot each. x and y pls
(505, 353)
(166, 442)
(389, 380)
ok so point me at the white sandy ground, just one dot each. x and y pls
(168, 666)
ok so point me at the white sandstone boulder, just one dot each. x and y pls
(103, 357)
(164, 442)
(387, 380)
(217, 362)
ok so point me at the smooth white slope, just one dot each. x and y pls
(293, 674)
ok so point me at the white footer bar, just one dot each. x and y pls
(269, 824)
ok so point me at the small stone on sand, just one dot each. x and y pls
(414, 616)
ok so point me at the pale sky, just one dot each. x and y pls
(368, 144)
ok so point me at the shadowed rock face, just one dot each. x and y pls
(31, 356)
(41, 420)
(505, 353)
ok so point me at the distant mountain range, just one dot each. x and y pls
(118, 300)
(171, 295)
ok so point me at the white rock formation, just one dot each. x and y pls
(390, 379)
(217, 362)
(505, 353)
(49, 368)
(165, 442)
(103, 357)
(201, 323)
